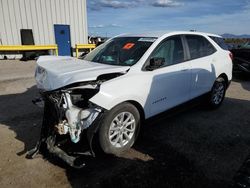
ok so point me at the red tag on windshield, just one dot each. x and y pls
(128, 46)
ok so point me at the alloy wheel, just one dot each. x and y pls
(122, 129)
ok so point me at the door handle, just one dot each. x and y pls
(184, 70)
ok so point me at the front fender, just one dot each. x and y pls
(130, 87)
(108, 100)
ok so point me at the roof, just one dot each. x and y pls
(158, 34)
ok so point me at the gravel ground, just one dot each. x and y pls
(193, 148)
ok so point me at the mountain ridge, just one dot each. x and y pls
(228, 35)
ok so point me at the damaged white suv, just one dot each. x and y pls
(125, 80)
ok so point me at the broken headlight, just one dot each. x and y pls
(80, 98)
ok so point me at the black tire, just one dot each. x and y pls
(212, 100)
(109, 117)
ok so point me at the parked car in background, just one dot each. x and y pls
(127, 79)
(241, 58)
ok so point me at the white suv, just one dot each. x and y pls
(125, 80)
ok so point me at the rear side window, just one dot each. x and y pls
(199, 46)
(220, 42)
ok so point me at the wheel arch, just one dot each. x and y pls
(224, 76)
(104, 129)
(139, 108)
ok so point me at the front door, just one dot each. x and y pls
(170, 83)
(62, 36)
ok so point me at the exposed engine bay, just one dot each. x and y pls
(69, 119)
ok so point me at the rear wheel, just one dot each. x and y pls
(217, 93)
(119, 128)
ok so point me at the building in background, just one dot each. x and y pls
(42, 22)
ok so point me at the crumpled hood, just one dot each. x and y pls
(54, 72)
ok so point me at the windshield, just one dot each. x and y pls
(123, 51)
(245, 46)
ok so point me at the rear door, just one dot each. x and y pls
(201, 59)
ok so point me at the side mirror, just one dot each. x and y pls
(155, 63)
(82, 56)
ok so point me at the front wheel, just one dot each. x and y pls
(217, 93)
(119, 128)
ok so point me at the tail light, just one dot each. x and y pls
(231, 56)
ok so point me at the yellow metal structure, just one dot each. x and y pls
(28, 48)
(84, 46)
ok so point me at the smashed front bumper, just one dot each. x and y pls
(64, 134)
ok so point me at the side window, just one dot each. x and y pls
(220, 42)
(171, 50)
(199, 46)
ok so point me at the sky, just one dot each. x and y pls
(113, 17)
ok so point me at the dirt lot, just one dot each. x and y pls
(194, 148)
